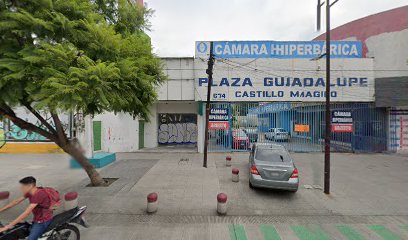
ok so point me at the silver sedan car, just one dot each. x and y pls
(277, 134)
(270, 166)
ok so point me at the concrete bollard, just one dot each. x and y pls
(4, 198)
(70, 201)
(235, 175)
(152, 203)
(222, 203)
(228, 161)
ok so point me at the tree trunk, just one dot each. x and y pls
(56, 135)
(94, 176)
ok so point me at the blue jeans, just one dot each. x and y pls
(38, 229)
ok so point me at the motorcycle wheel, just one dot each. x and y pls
(67, 232)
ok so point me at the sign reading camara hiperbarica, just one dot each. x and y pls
(286, 79)
(279, 49)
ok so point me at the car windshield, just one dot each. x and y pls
(272, 155)
(280, 130)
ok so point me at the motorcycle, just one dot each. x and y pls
(61, 227)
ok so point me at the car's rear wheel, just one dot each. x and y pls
(250, 185)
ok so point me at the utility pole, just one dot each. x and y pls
(328, 112)
(318, 23)
(328, 107)
(207, 106)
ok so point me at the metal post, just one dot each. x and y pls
(318, 23)
(207, 106)
(328, 112)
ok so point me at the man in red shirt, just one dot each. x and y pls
(40, 204)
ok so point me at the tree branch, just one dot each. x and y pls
(6, 108)
(60, 130)
(5, 111)
(39, 117)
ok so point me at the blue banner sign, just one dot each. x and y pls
(280, 49)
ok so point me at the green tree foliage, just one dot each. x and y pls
(87, 56)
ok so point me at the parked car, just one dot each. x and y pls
(270, 166)
(240, 139)
(277, 134)
(252, 134)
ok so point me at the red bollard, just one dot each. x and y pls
(235, 175)
(152, 202)
(70, 201)
(228, 160)
(222, 203)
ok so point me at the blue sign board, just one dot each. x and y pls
(280, 49)
(343, 117)
(271, 107)
(218, 114)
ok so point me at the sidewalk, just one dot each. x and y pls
(367, 190)
(361, 185)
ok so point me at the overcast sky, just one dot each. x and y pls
(177, 24)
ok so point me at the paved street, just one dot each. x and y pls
(368, 200)
(124, 83)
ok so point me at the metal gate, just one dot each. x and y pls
(300, 127)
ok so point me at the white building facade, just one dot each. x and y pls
(259, 85)
(177, 119)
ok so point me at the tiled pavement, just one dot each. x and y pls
(318, 232)
(368, 201)
(251, 232)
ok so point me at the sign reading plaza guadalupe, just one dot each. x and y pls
(284, 71)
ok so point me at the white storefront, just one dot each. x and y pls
(277, 72)
(173, 118)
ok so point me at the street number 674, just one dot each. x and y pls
(219, 95)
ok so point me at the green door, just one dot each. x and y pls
(97, 135)
(141, 134)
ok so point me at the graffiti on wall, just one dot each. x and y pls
(177, 128)
(12, 132)
(16, 133)
(398, 131)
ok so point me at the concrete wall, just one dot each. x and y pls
(177, 107)
(120, 132)
(385, 39)
(180, 79)
(150, 129)
(390, 53)
(201, 131)
(391, 21)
